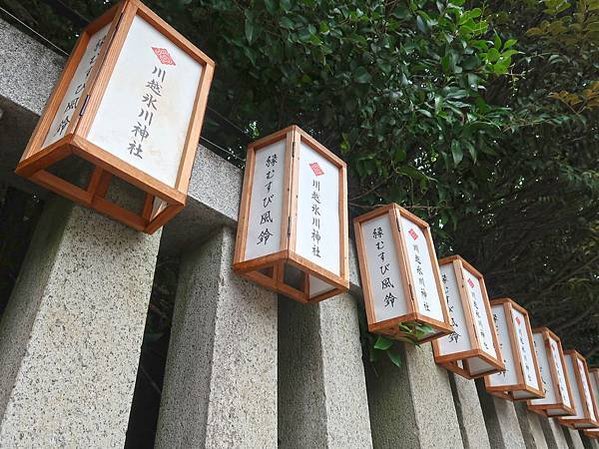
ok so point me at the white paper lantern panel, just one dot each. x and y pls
(400, 276)
(554, 376)
(472, 349)
(586, 416)
(521, 379)
(292, 236)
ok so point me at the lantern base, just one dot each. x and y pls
(578, 424)
(551, 410)
(395, 328)
(594, 434)
(467, 373)
(77, 170)
(515, 395)
(284, 273)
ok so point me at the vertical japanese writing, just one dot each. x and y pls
(585, 389)
(505, 362)
(478, 314)
(526, 362)
(386, 281)
(149, 102)
(421, 282)
(267, 200)
(541, 370)
(316, 205)
(455, 335)
(89, 61)
(559, 370)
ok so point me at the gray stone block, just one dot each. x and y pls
(501, 420)
(412, 407)
(554, 433)
(469, 412)
(322, 391)
(589, 443)
(220, 385)
(531, 427)
(573, 438)
(71, 335)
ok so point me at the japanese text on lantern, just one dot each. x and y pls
(149, 105)
(522, 337)
(455, 335)
(544, 375)
(421, 287)
(386, 282)
(586, 389)
(266, 219)
(316, 203)
(503, 350)
(559, 370)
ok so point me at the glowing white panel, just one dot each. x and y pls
(509, 376)
(459, 340)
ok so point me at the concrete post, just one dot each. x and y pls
(469, 412)
(412, 407)
(501, 420)
(71, 335)
(322, 391)
(554, 433)
(530, 425)
(573, 438)
(220, 385)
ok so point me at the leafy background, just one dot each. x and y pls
(479, 116)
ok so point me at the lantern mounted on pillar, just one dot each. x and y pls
(555, 381)
(400, 276)
(521, 379)
(587, 414)
(129, 107)
(472, 349)
(594, 375)
(292, 235)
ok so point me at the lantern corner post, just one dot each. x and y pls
(222, 355)
(76, 320)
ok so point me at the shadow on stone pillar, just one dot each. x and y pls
(412, 407)
(573, 438)
(530, 425)
(220, 385)
(71, 335)
(589, 443)
(469, 412)
(322, 390)
(554, 433)
(501, 420)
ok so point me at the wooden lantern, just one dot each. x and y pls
(472, 349)
(129, 105)
(555, 381)
(521, 379)
(400, 275)
(594, 375)
(592, 433)
(586, 416)
(292, 235)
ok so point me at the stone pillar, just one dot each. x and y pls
(589, 443)
(573, 438)
(469, 412)
(412, 407)
(322, 390)
(220, 385)
(71, 335)
(554, 433)
(530, 425)
(501, 420)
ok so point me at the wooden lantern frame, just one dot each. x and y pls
(36, 160)
(452, 361)
(390, 327)
(269, 270)
(507, 391)
(591, 433)
(544, 409)
(586, 422)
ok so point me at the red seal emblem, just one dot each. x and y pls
(163, 56)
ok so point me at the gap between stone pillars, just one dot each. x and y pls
(573, 438)
(554, 433)
(469, 412)
(322, 390)
(220, 385)
(71, 335)
(501, 420)
(531, 427)
(412, 407)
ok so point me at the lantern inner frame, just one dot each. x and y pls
(550, 355)
(519, 390)
(474, 362)
(394, 327)
(161, 201)
(284, 269)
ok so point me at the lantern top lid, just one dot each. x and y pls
(546, 330)
(385, 208)
(514, 304)
(465, 263)
(575, 353)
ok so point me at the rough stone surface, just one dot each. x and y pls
(589, 443)
(554, 433)
(501, 420)
(573, 438)
(469, 412)
(220, 386)
(71, 335)
(322, 391)
(530, 426)
(412, 406)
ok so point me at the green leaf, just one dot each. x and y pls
(383, 343)
(361, 75)
(249, 29)
(456, 152)
(286, 22)
(395, 358)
